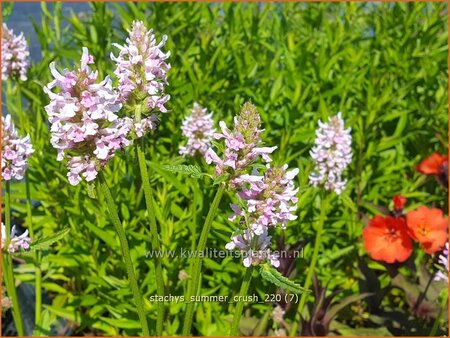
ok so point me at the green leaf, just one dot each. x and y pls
(192, 170)
(348, 202)
(272, 275)
(220, 179)
(7, 9)
(333, 311)
(90, 188)
(44, 243)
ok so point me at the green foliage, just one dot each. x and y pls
(7, 9)
(383, 65)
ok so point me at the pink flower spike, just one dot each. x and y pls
(85, 127)
(331, 154)
(241, 144)
(198, 129)
(15, 55)
(141, 69)
(15, 151)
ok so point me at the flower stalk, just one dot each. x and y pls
(112, 209)
(153, 226)
(240, 305)
(37, 268)
(196, 266)
(8, 265)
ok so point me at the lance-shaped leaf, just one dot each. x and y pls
(272, 275)
(192, 170)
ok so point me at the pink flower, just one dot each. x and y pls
(256, 252)
(142, 72)
(85, 127)
(16, 242)
(270, 200)
(198, 129)
(15, 55)
(443, 260)
(15, 151)
(241, 144)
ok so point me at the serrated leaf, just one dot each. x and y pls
(44, 243)
(272, 275)
(192, 170)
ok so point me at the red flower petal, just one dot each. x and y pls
(428, 227)
(432, 165)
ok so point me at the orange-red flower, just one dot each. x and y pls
(399, 202)
(428, 227)
(433, 164)
(386, 239)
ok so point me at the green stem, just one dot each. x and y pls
(37, 268)
(240, 305)
(438, 318)
(153, 226)
(197, 262)
(154, 237)
(309, 276)
(8, 264)
(113, 213)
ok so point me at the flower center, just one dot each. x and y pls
(423, 229)
(391, 233)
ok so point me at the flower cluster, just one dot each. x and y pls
(198, 129)
(256, 249)
(15, 151)
(16, 241)
(332, 154)
(15, 55)
(85, 127)
(435, 165)
(443, 260)
(389, 239)
(270, 199)
(142, 73)
(242, 144)
(266, 200)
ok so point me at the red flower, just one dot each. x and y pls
(399, 202)
(387, 239)
(433, 164)
(428, 227)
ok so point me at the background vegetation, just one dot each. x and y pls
(384, 66)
